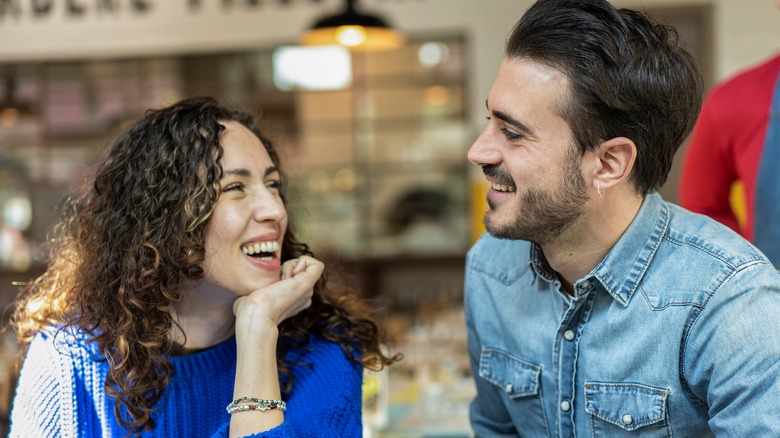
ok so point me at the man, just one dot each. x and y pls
(737, 139)
(594, 308)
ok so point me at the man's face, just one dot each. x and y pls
(529, 156)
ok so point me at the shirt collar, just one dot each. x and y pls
(625, 265)
(622, 269)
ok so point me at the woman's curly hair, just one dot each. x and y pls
(122, 251)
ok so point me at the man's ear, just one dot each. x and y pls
(614, 159)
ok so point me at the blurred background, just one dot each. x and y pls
(372, 128)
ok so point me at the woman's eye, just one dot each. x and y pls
(274, 185)
(233, 187)
(509, 134)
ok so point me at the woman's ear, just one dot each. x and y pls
(614, 160)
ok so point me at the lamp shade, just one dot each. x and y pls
(352, 29)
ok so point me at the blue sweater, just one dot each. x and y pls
(60, 393)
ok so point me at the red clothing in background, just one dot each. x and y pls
(726, 145)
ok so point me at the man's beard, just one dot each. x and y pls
(543, 214)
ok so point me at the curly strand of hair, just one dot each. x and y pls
(353, 315)
(134, 407)
(138, 373)
(340, 317)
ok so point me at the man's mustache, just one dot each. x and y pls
(499, 174)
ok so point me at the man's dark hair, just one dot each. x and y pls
(630, 77)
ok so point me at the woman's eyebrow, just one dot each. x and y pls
(237, 172)
(245, 173)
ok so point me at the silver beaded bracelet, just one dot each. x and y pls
(247, 403)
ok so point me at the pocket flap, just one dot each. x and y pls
(626, 405)
(514, 376)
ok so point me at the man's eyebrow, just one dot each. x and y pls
(506, 118)
(245, 173)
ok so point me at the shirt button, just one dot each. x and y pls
(508, 388)
(568, 335)
(565, 406)
(585, 283)
(627, 419)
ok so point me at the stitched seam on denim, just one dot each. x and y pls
(683, 348)
(670, 304)
(748, 264)
(633, 426)
(710, 252)
(593, 427)
(687, 335)
(658, 391)
(701, 248)
(688, 328)
(555, 374)
(539, 265)
(489, 376)
(536, 368)
(542, 406)
(502, 278)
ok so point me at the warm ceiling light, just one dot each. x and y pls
(352, 29)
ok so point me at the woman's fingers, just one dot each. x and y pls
(307, 271)
(300, 266)
(295, 266)
(287, 297)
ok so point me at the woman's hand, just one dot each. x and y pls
(268, 306)
(257, 318)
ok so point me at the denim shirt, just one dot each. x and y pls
(674, 334)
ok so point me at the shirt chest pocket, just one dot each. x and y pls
(519, 383)
(627, 410)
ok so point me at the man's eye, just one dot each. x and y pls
(509, 134)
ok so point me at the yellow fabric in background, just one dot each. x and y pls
(738, 204)
(479, 206)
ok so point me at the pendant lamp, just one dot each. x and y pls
(354, 30)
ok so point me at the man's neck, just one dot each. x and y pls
(582, 247)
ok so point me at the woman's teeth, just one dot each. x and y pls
(502, 187)
(261, 247)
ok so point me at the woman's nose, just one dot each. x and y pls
(269, 206)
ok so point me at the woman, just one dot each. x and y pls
(178, 302)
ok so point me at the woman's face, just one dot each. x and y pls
(243, 238)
